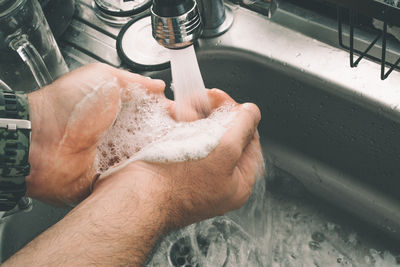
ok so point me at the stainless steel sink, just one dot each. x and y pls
(333, 129)
(341, 147)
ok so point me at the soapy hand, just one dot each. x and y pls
(128, 211)
(68, 118)
(187, 192)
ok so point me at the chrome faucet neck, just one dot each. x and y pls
(217, 18)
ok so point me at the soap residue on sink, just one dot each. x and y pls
(281, 225)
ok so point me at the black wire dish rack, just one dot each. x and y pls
(386, 11)
(356, 14)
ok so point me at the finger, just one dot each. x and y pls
(192, 106)
(126, 78)
(218, 98)
(182, 113)
(241, 131)
(249, 168)
(83, 130)
(198, 107)
(251, 162)
(93, 73)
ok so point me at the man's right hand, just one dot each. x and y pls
(195, 190)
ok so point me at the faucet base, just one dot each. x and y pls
(213, 32)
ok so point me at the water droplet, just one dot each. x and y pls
(314, 245)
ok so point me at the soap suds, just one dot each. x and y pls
(144, 130)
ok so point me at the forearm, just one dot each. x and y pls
(115, 226)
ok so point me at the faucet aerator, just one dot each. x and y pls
(177, 26)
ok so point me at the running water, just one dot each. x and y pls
(188, 86)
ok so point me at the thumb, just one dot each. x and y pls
(244, 126)
(240, 132)
(92, 115)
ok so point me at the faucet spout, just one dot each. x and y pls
(177, 24)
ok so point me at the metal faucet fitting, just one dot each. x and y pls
(177, 23)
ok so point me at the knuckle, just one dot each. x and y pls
(253, 112)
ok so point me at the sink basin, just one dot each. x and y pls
(18, 229)
(330, 139)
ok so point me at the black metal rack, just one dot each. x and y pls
(380, 10)
(356, 14)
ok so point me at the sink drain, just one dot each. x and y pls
(190, 252)
(182, 253)
(216, 242)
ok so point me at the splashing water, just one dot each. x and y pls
(188, 86)
(281, 225)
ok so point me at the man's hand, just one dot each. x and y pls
(119, 223)
(196, 190)
(68, 118)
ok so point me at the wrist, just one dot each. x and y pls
(135, 190)
(37, 150)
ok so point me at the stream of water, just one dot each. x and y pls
(188, 86)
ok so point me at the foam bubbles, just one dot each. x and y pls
(144, 130)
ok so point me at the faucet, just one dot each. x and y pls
(177, 24)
